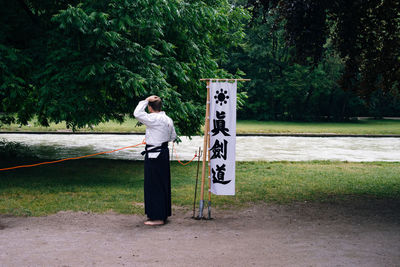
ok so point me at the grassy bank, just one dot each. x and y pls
(354, 127)
(128, 126)
(99, 185)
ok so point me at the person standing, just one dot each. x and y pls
(157, 177)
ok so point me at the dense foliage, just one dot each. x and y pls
(366, 35)
(282, 89)
(91, 61)
(86, 62)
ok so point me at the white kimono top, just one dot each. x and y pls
(159, 127)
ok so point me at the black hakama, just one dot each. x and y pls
(157, 183)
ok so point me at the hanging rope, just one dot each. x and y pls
(176, 156)
(81, 157)
(96, 154)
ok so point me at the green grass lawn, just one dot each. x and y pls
(100, 185)
(354, 127)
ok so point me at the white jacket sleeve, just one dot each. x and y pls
(141, 115)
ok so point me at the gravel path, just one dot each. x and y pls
(365, 233)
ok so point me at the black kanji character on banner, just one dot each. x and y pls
(219, 175)
(219, 124)
(219, 150)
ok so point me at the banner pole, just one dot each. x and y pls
(217, 79)
(205, 150)
(209, 174)
(209, 162)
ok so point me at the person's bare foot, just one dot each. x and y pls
(154, 223)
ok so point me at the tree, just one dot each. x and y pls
(282, 89)
(91, 61)
(366, 35)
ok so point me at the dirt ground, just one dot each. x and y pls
(366, 233)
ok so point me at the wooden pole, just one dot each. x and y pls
(205, 150)
(209, 173)
(215, 79)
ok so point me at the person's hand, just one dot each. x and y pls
(152, 98)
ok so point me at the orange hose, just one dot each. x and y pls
(56, 161)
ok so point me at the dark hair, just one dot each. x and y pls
(156, 105)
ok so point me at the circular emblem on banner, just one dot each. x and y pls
(221, 97)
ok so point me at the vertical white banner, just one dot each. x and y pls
(222, 137)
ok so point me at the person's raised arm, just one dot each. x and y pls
(140, 111)
(141, 114)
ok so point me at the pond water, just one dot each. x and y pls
(248, 148)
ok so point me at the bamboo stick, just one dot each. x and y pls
(205, 150)
(197, 179)
(209, 172)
